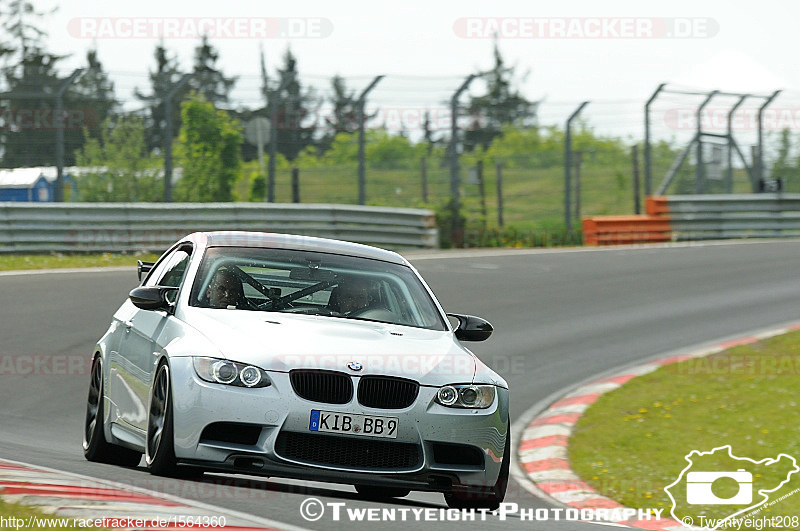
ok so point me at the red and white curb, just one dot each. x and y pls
(542, 464)
(71, 496)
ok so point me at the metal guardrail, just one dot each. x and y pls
(707, 217)
(700, 217)
(100, 227)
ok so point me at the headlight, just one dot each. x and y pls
(466, 396)
(230, 372)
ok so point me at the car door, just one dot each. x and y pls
(139, 345)
(122, 401)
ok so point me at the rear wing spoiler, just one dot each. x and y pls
(142, 268)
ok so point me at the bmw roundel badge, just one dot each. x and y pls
(354, 366)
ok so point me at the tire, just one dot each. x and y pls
(485, 498)
(160, 443)
(95, 446)
(381, 493)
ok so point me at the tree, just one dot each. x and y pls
(94, 95)
(162, 81)
(430, 140)
(390, 151)
(294, 107)
(343, 149)
(344, 118)
(250, 151)
(209, 151)
(29, 74)
(29, 128)
(26, 36)
(207, 79)
(501, 105)
(782, 167)
(118, 166)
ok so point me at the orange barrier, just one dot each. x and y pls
(656, 205)
(614, 230)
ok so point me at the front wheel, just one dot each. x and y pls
(160, 455)
(485, 498)
(95, 446)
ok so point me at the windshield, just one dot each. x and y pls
(303, 282)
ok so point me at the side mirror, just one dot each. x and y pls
(471, 328)
(142, 268)
(150, 298)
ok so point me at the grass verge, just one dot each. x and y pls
(15, 516)
(54, 261)
(633, 441)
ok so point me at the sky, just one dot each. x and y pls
(612, 53)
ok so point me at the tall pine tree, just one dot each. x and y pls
(343, 117)
(30, 75)
(93, 95)
(207, 79)
(296, 108)
(25, 35)
(162, 81)
(502, 104)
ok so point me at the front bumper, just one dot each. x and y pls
(277, 410)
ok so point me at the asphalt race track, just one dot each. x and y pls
(560, 317)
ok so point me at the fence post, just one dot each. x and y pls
(760, 167)
(578, 162)
(700, 169)
(59, 196)
(423, 169)
(482, 191)
(568, 166)
(168, 135)
(499, 169)
(295, 185)
(455, 200)
(756, 156)
(360, 103)
(648, 163)
(637, 206)
(731, 143)
(272, 106)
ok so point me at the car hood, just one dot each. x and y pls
(282, 342)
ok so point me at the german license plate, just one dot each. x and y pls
(364, 425)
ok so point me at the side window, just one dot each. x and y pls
(156, 274)
(173, 274)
